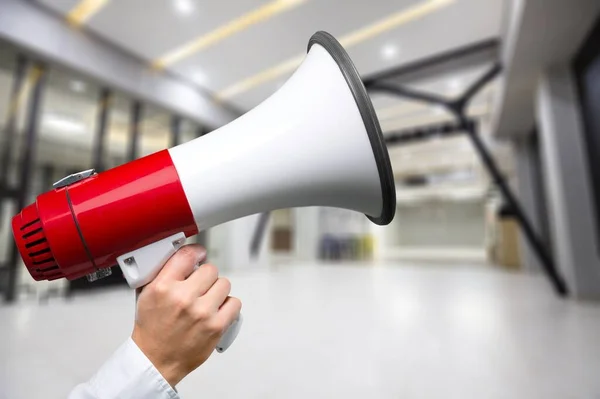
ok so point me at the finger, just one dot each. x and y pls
(217, 294)
(182, 263)
(229, 311)
(200, 281)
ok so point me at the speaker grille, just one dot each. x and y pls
(33, 245)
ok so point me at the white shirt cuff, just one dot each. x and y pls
(128, 374)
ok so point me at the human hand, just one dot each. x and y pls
(182, 314)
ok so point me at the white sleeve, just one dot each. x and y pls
(128, 374)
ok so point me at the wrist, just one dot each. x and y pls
(170, 370)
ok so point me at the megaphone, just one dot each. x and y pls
(315, 142)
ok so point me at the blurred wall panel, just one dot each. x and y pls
(437, 230)
(568, 187)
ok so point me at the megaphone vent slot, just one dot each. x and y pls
(371, 123)
(33, 232)
(34, 243)
(26, 225)
(40, 252)
(41, 262)
(48, 269)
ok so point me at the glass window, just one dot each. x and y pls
(67, 127)
(117, 134)
(189, 130)
(155, 130)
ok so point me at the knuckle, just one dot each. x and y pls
(187, 253)
(226, 283)
(236, 302)
(210, 270)
(183, 302)
(215, 327)
(160, 288)
(202, 313)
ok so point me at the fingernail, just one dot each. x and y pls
(201, 255)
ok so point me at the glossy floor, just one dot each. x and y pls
(339, 331)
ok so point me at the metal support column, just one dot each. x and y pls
(38, 79)
(99, 141)
(48, 175)
(534, 240)
(10, 130)
(175, 131)
(458, 108)
(259, 234)
(134, 130)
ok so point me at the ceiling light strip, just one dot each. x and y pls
(257, 16)
(351, 39)
(393, 21)
(84, 10)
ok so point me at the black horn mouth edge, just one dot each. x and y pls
(367, 112)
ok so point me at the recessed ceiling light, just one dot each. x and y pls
(199, 77)
(455, 84)
(389, 51)
(234, 26)
(184, 7)
(77, 86)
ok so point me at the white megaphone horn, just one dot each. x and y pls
(315, 142)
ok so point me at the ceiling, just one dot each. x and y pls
(152, 28)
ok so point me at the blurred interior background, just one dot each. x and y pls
(97, 83)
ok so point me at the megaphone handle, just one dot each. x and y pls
(142, 265)
(230, 335)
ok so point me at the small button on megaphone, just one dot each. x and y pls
(315, 142)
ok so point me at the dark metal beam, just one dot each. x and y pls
(475, 54)
(259, 234)
(48, 172)
(134, 130)
(201, 131)
(103, 114)
(457, 107)
(405, 92)
(466, 97)
(175, 131)
(424, 133)
(38, 78)
(541, 251)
